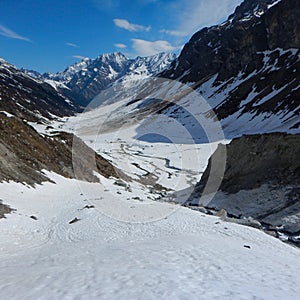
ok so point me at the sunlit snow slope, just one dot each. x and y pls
(185, 255)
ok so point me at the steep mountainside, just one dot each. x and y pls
(24, 153)
(250, 65)
(29, 98)
(86, 79)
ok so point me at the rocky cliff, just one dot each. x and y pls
(253, 61)
(261, 180)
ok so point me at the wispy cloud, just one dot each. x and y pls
(122, 23)
(146, 48)
(79, 57)
(172, 32)
(192, 15)
(5, 31)
(72, 45)
(121, 46)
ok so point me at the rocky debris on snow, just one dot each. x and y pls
(88, 207)
(4, 209)
(121, 183)
(223, 215)
(137, 198)
(74, 220)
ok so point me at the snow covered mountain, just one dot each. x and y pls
(245, 73)
(89, 77)
(24, 153)
(101, 219)
(248, 68)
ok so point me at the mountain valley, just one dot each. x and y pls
(134, 177)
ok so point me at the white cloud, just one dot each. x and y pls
(79, 57)
(122, 23)
(146, 48)
(72, 45)
(172, 32)
(11, 34)
(192, 15)
(121, 46)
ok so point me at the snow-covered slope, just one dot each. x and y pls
(126, 238)
(84, 240)
(184, 255)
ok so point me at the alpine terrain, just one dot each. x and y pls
(158, 177)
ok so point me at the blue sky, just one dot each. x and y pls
(48, 35)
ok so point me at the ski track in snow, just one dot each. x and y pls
(186, 255)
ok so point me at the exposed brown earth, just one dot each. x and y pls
(25, 153)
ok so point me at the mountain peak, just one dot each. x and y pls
(88, 77)
(249, 9)
(110, 56)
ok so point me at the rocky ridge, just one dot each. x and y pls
(86, 79)
(29, 98)
(252, 61)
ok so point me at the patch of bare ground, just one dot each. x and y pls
(24, 153)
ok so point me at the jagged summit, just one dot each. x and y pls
(249, 9)
(85, 79)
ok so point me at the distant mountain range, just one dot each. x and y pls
(84, 80)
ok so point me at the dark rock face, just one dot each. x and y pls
(261, 180)
(259, 44)
(28, 98)
(253, 160)
(4, 209)
(24, 154)
(232, 47)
